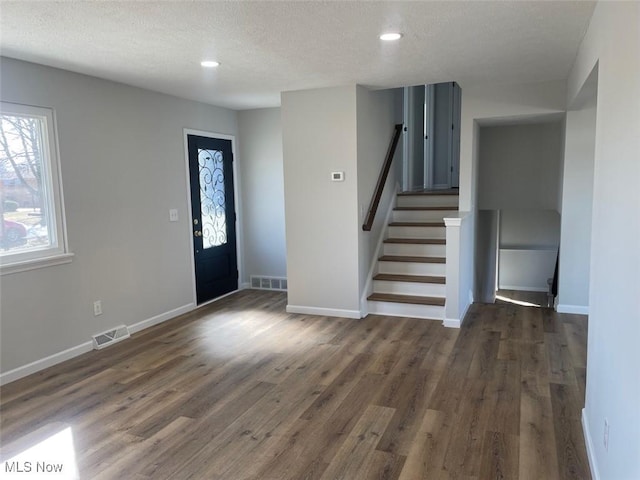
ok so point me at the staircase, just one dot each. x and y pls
(410, 278)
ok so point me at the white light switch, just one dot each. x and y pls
(337, 176)
(173, 215)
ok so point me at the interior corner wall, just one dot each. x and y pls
(486, 260)
(613, 390)
(261, 169)
(577, 199)
(519, 166)
(481, 102)
(322, 222)
(123, 167)
(376, 118)
(486, 102)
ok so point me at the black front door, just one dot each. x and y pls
(213, 217)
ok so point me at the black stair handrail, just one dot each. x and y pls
(382, 179)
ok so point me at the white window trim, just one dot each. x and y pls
(45, 257)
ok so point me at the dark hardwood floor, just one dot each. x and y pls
(242, 390)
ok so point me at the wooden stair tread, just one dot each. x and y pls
(418, 241)
(418, 209)
(431, 192)
(409, 278)
(414, 299)
(417, 224)
(402, 258)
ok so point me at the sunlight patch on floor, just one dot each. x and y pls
(516, 302)
(247, 333)
(52, 458)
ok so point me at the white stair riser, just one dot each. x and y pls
(417, 232)
(422, 215)
(431, 312)
(411, 268)
(410, 288)
(415, 249)
(428, 201)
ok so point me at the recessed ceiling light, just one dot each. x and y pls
(391, 36)
(209, 63)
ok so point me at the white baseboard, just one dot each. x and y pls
(85, 347)
(326, 312)
(46, 362)
(163, 317)
(595, 473)
(577, 309)
(451, 323)
(457, 323)
(245, 285)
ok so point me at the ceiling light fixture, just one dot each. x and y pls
(209, 63)
(389, 37)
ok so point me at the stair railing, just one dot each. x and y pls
(382, 179)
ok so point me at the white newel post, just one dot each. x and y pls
(451, 308)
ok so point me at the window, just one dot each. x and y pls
(32, 228)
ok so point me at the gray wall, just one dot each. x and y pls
(529, 240)
(261, 169)
(482, 103)
(322, 219)
(344, 129)
(377, 113)
(486, 261)
(518, 175)
(613, 356)
(519, 166)
(577, 199)
(123, 168)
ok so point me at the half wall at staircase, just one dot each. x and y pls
(341, 129)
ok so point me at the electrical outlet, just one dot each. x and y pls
(606, 435)
(97, 308)
(173, 215)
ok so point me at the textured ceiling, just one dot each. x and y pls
(267, 47)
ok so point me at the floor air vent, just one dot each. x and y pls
(268, 283)
(110, 337)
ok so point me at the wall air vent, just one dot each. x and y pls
(110, 337)
(268, 283)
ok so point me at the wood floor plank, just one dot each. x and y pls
(485, 356)
(532, 325)
(355, 452)
(561, 368)
(464, 453)
(241, 389)
(504, 393)
(384, 466)
(315, 441)
(570, 446)
(408, 394)
(426, 456)
(537, 454)
(575, 335)
(499, 456)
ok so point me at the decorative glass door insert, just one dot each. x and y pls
(212, 198)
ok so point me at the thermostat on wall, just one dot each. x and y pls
(337, 176)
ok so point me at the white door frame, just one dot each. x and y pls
(236, 197)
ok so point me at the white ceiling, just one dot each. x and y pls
(267, 47)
